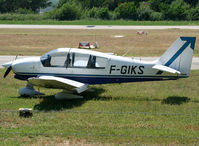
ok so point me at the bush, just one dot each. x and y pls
(69, 11)
(144, 12)
(126, 10)
(156, 16)
(24, 11)
(103, 13)
(93, 12)
(193, 14)
(21, 17)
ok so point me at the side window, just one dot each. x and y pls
(97, 62)
(101, 62)
(57, 61)
(79, 60)
(75, 60)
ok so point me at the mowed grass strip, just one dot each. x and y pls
(97, 22)
(132, 113)
(37, 42)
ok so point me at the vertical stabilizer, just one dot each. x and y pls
(179, 55)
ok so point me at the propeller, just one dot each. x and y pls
(7, 71)
(9, 67)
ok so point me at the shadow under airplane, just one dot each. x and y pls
(175, 100)
(50, 103)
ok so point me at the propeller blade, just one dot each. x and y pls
(7, 71)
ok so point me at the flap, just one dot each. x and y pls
(166, 69)
(57, 83)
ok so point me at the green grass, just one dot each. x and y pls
(132, 113)
(98, 22)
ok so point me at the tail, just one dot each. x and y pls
(179, 56)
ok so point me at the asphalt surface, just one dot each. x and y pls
(195, 61)
(18, 26)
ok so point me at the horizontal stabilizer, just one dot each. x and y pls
(166, 69)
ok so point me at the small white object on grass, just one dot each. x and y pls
(25, 112)
(118, 36)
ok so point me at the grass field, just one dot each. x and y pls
(117, 114)
(96, 22)
(37, 42)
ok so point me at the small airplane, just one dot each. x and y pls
(74, 69)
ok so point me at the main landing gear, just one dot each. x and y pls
(28, 91)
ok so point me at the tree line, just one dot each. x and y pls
(154, 10)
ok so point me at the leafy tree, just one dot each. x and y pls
(144, 12)
(192, 2)
(93, 3)
(156, 5)
(110, 4)
(156, 16)
(126, 10)
(93, 12)
(13, 5)
(103, 13)
(68, 11)
(193, 13)
(108, 9)
(178, 10)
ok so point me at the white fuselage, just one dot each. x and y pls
(115, 69)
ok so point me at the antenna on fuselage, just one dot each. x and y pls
(126, 52)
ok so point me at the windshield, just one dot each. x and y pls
(45, 60)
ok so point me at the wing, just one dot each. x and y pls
(58, 83)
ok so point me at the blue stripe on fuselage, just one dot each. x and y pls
(97, 79)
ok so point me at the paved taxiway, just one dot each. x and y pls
(195, 61)
(14, 26)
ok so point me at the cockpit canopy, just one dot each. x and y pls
(74, 58)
